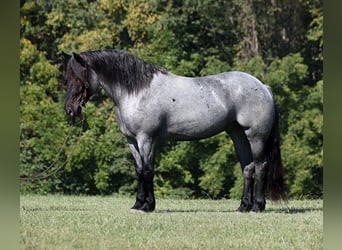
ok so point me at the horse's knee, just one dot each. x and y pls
(261, 170)
(148, 175)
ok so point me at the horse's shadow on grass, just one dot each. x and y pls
(283, 210)
(54, 208)
(166, 211)
(293, 210)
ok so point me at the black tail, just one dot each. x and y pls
(275, 182)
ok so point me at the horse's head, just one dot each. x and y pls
(78, 87)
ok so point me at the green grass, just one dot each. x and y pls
(74, 222)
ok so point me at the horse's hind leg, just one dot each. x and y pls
(260, 176)
(260, 165)
(243, 151)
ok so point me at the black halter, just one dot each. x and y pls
(85, 83)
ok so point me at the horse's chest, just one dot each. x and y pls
(132, 120)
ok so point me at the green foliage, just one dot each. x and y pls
(236, 191)
(280, 43)
(217, 166)
(304, 140)
(42, 125)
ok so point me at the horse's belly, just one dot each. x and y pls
(195, 125)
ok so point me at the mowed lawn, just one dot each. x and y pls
(95, 222)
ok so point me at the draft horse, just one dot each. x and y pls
(152, 104)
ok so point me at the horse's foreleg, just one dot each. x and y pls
(150, 203)
(138, 170)
(146, 149)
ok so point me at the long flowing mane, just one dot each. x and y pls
(123, 68)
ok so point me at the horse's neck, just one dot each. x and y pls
(114, 91)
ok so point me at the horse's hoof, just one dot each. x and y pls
(147, 207)
(137, 205)
(243, 208)
(240, 210)
(257, 209)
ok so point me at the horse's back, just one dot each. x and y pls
(193, 108)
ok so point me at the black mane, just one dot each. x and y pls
(123, 68)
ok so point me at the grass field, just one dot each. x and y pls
(76, 222)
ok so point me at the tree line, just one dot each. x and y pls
(280, 42)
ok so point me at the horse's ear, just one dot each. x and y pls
(66, 56)
(80, 59)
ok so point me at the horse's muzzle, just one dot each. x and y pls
(72, 112)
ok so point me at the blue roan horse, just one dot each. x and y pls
(152, 104)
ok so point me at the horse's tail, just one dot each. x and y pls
(275, 178)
